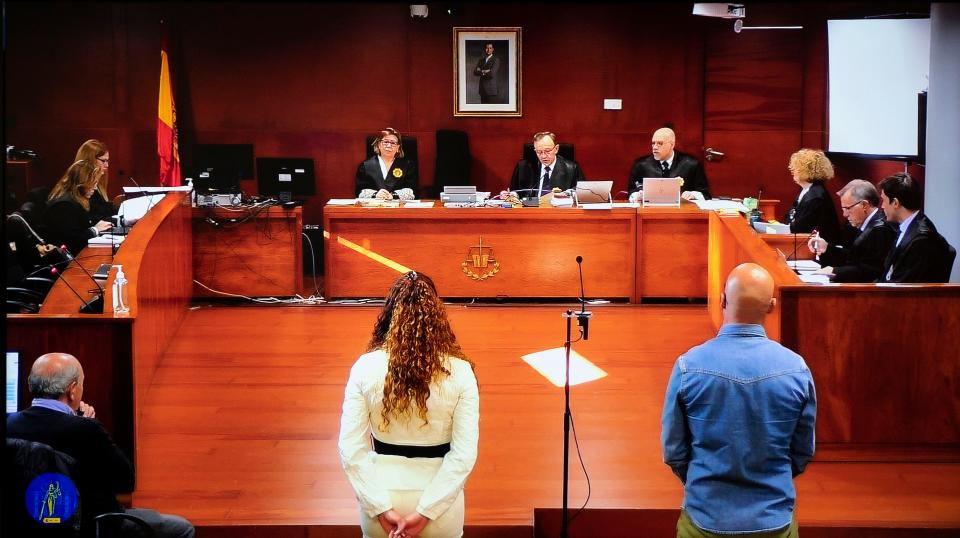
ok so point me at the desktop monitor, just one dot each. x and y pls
(285, 177)
(218, 168)
(13, 380)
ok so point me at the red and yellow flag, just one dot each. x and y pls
(167, 128)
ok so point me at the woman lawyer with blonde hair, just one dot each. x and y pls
(67, 219)
(96, 153)
(415, 393)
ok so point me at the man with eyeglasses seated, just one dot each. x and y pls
(666, 162)
(387, 174)
(869, 237)
(549, 171)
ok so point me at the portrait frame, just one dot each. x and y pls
(475, 91)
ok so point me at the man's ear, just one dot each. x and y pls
(773, 304)
(723, 301)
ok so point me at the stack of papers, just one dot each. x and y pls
(106, 239)
(771, 228)
(719, 205)
(811, 278)
(342, 201)
(803, 265)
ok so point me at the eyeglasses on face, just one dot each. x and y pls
(545, 151)
(851, 206)
(388, 143)
(103, 161)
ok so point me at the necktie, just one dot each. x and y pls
(545, 181)
(666, 168)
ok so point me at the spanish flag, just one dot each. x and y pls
(167, 127)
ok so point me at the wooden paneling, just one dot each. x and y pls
(535, 249)
(672, 252)
(253, 255)
(884, 359)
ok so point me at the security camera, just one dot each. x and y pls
(418, 11)
(721, 10)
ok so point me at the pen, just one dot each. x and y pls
(816, 246)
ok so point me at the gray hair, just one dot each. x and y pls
(53, 384)
(861, 190)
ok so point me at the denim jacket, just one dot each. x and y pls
(738, 425)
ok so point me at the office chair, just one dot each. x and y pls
(26, 460)
(565, 151)
(453, 160)
(948, 264)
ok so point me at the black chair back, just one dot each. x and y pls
(948, 263)
(453, 160)
(26, 460)
(565, 151)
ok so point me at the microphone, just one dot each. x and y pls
(583, 317)
(29, 228)
(93, 306)
(142, 192)
(66, 252)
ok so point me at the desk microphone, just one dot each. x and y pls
(93, 306)
(583, 319)
(29, 228)
(66, 252)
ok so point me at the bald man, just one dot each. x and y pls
(665, 161)
(59, 417)
(738, 421)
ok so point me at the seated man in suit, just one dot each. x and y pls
(666, 162)
(548, 172)
(60, 418)
(920, 253)
(861, 257)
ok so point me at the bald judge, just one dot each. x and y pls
(665, 161)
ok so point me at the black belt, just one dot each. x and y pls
(409, 451)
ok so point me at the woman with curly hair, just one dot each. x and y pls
(415, 394)
(813, 209)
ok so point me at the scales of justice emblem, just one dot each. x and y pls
(480, 263)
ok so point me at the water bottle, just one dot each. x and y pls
(120, 305)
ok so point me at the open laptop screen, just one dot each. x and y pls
(661, 191)
(593, 192)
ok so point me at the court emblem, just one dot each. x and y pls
(480, 263)
(51, 499)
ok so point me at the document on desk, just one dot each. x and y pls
(717, 205)
(626, 204)
(771, 228)
(106, 239)
(811, 278)
(342, 201)
(134, 209)
(803, 265)
(417, 204)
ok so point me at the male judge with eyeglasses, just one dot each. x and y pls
(548, 172)
(665, 161)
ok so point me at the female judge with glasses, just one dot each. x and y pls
(67, 219)
(96, 153)
(415, 393)
(387, 173)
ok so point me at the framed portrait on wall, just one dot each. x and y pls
(486, 72)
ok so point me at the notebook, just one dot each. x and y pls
(661, 192)
(593, 192)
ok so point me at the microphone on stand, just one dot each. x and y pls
(93, 306)
(66, 252)
(584, 317)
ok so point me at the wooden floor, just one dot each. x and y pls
(241, 421)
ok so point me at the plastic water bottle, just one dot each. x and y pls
(120, 305)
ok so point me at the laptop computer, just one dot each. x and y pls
(661, 192)
(593, 192)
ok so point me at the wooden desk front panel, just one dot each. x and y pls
(884, 359)
(536, 249)
(261, 256)
(672, 251)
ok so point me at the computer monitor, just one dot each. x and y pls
(218, 168)
(285, 177)
(13, 380)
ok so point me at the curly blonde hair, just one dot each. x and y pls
(811, 165)
(414, 331)
(78, 180)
